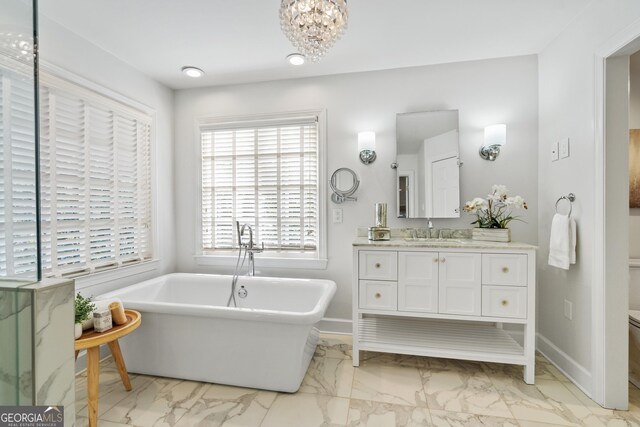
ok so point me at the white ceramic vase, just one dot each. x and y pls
(78, 330)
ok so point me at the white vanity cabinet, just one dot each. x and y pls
(445, 299)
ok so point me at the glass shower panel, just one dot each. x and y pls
(18, 206)
(18, 210)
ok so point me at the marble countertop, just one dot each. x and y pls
(441, 243)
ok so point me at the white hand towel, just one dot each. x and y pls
(572, 247)
(562, 244)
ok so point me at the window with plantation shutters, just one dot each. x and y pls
(18, 247)
(95, 181)
(265, 174)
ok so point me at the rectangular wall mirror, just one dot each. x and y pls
(428, 158)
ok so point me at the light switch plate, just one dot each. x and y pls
(564, 148)
(554, 151)
(337, 216)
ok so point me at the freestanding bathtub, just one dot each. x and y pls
(188, 331)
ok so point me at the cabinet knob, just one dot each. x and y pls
(378, 295)
(435, 259)
(505, 302)
(443, 259)
(505, 269)
(377, 265)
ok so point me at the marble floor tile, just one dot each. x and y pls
(333, 345)
(544, 371)
(368, 357)
(549, 367)
(459, 419)
(307, 410)
(160, 403)
(463, 391)
(401, 385)
(110, 390)
(546, 402)
(329, 376)
(377, 414)
(229, 407)
(524, 423)
(84, 422)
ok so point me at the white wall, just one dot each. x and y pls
(485, 92)
(66, 50)
(567, 105)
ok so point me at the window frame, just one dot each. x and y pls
(282, 259)
(63, 76)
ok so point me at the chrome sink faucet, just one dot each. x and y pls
(429, 228)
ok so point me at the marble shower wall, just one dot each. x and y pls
(54, 379)
(16, 385)
(37, 353)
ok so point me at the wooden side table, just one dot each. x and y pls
(91, 341)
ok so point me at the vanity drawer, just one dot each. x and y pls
(504, 301)
(378, 295)
(504, 269)
(378, 265)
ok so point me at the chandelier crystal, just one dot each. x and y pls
(313, 26)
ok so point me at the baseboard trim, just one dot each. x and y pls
(577, 373)
(333, 325)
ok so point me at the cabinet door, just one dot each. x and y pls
(460, 289)
(418, 281)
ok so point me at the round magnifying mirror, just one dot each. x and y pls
(344, 183)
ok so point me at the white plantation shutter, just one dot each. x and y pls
(18, 249)
(263, 174)
(96, 180)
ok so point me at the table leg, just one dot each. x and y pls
(119, 360)
(93, 367)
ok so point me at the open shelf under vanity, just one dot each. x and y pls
(439, 338)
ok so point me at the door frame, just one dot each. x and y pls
(606, 332)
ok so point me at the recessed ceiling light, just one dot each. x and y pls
(296, 59)
(193, 72)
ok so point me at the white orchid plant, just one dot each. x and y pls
(497, 210)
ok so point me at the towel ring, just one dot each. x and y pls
(570, 198)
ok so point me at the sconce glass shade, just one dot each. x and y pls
(495, 136)
(367, 147)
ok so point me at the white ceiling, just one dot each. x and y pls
(239, 41)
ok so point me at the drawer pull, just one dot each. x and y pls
(505, 269)
(435, 259)
(377, 265)
(443, 259)
(504, 302)
(378, 295)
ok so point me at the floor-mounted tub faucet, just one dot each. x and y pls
(250, 247)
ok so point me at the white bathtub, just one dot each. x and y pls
(188, 332)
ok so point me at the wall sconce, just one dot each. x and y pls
(495, 136)
(367, 147)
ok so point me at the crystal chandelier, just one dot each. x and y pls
(313, 26)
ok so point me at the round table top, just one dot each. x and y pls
(91, 338)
